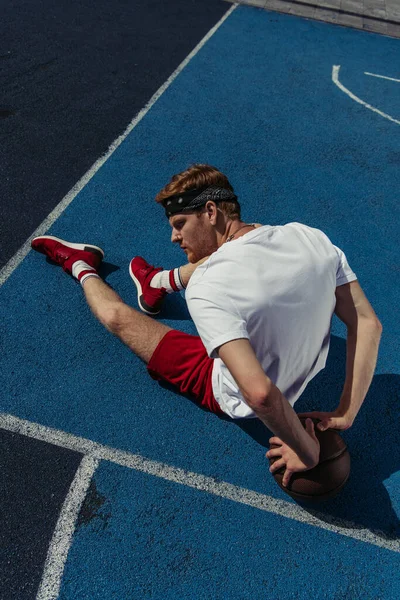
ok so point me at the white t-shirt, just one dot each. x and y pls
(274, 286)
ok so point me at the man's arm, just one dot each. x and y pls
(364, 332)
(267, 401)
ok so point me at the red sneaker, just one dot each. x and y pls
(65, 254)
(149, 298)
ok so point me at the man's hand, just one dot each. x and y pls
(329, 420)
(288, 458)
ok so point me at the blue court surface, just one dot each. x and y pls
(181, 504)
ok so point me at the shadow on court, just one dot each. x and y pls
(374, 450)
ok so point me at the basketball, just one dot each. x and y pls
(327, 478)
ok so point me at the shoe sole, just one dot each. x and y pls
(84, 247)
(140, 293)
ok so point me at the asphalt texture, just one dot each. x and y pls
(35, 478)
(72, 77)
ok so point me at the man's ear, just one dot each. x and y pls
(212, 212)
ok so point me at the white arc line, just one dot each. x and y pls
(19, 256)
(382, 76)
(200, 482)
(62, 537)
(335, 79)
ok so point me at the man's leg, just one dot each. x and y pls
(171, 356)
(82, 261)
(139, 332)
(181, 359)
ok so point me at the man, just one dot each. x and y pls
(262, 299)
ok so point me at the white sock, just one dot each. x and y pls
(87, 275)
(81, 271)
(163, 279)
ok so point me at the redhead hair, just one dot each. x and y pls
(200, 176)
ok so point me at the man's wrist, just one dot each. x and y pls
(313, 458)
(345, 411)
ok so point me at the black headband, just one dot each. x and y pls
(193, 199)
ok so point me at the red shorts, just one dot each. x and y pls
(182, 360)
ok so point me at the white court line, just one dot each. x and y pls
(62, 537)
(382, 76)
(18, 257)
(198, 482)
(335, 79)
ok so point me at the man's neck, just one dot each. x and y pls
(234, 230)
